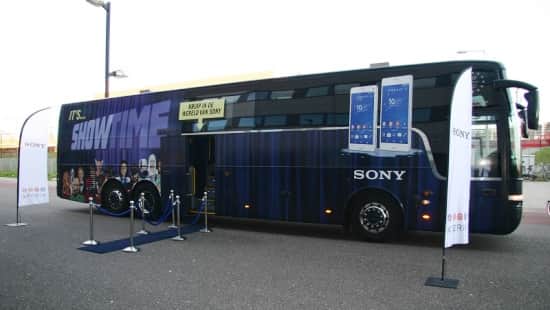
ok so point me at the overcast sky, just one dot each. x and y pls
(53, 51)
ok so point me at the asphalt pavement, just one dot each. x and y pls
(264, 266)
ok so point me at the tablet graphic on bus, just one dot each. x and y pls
(363, 118)
(395, 113)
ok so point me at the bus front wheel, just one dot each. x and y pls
(376, 219)
(114, 197)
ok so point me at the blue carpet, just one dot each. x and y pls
(118, 245)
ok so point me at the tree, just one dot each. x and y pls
(542, 156)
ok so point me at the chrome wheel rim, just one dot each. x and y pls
(374, 217)
(116, 200)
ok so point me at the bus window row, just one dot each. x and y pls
(281, 121)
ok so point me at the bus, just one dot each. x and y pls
(278, 149)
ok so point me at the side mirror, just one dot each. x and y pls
(532, 98)
(522, 114)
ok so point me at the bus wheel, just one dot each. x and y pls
(152, 199)
(376, 219)
(114, 197)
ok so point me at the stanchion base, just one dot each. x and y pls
(173, 227)
(17, 224)
(437, 281)
(90, 242)
(142, 232)
(205, 230)
(130, 249)
(179, 238)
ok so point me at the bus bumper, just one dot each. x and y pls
(512, 218)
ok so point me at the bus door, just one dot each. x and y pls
(174, 155)
(202, 169)
(486, 186)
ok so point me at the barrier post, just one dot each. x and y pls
(91, 241)
(131, 248)
(205, 212)
(171, 198)
(179, 237)
(141, 204)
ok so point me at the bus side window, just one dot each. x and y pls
(309, 120)
(485, 155)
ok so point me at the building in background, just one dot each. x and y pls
(537, 140)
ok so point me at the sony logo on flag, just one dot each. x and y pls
(34, 145)
(461, 133)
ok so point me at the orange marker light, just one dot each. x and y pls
(426, 217)
(328, 211)
(247, 206)
(424, 202)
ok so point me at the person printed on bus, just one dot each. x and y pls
(134, 174)
(124, 176)
(152, 169)
(159, 167)
(90, 184)
(76, 185)
(66, 185)
(143, 171)
(80, 177)
(100, 176)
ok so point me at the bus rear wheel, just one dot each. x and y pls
(376, 219)
(152, 199)
(114, 197)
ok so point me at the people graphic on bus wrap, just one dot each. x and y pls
(148, 169)
(78, 185)
(94, 181)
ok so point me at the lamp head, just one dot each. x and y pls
(98, 3)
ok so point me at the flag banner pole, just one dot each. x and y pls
(442, 281)
(457, 207)
(18, 222)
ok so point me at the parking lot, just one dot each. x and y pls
(264, 266)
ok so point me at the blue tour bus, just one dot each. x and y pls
(277, 149)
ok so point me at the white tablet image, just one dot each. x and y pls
(363, 112)
(396, 113)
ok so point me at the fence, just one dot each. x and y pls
(10, 164)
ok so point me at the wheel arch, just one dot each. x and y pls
(153, 200)
(134, 194)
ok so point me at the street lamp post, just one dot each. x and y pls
(107, 7)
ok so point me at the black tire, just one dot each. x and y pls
(152, 199)
(376, 218)
(114, 197)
